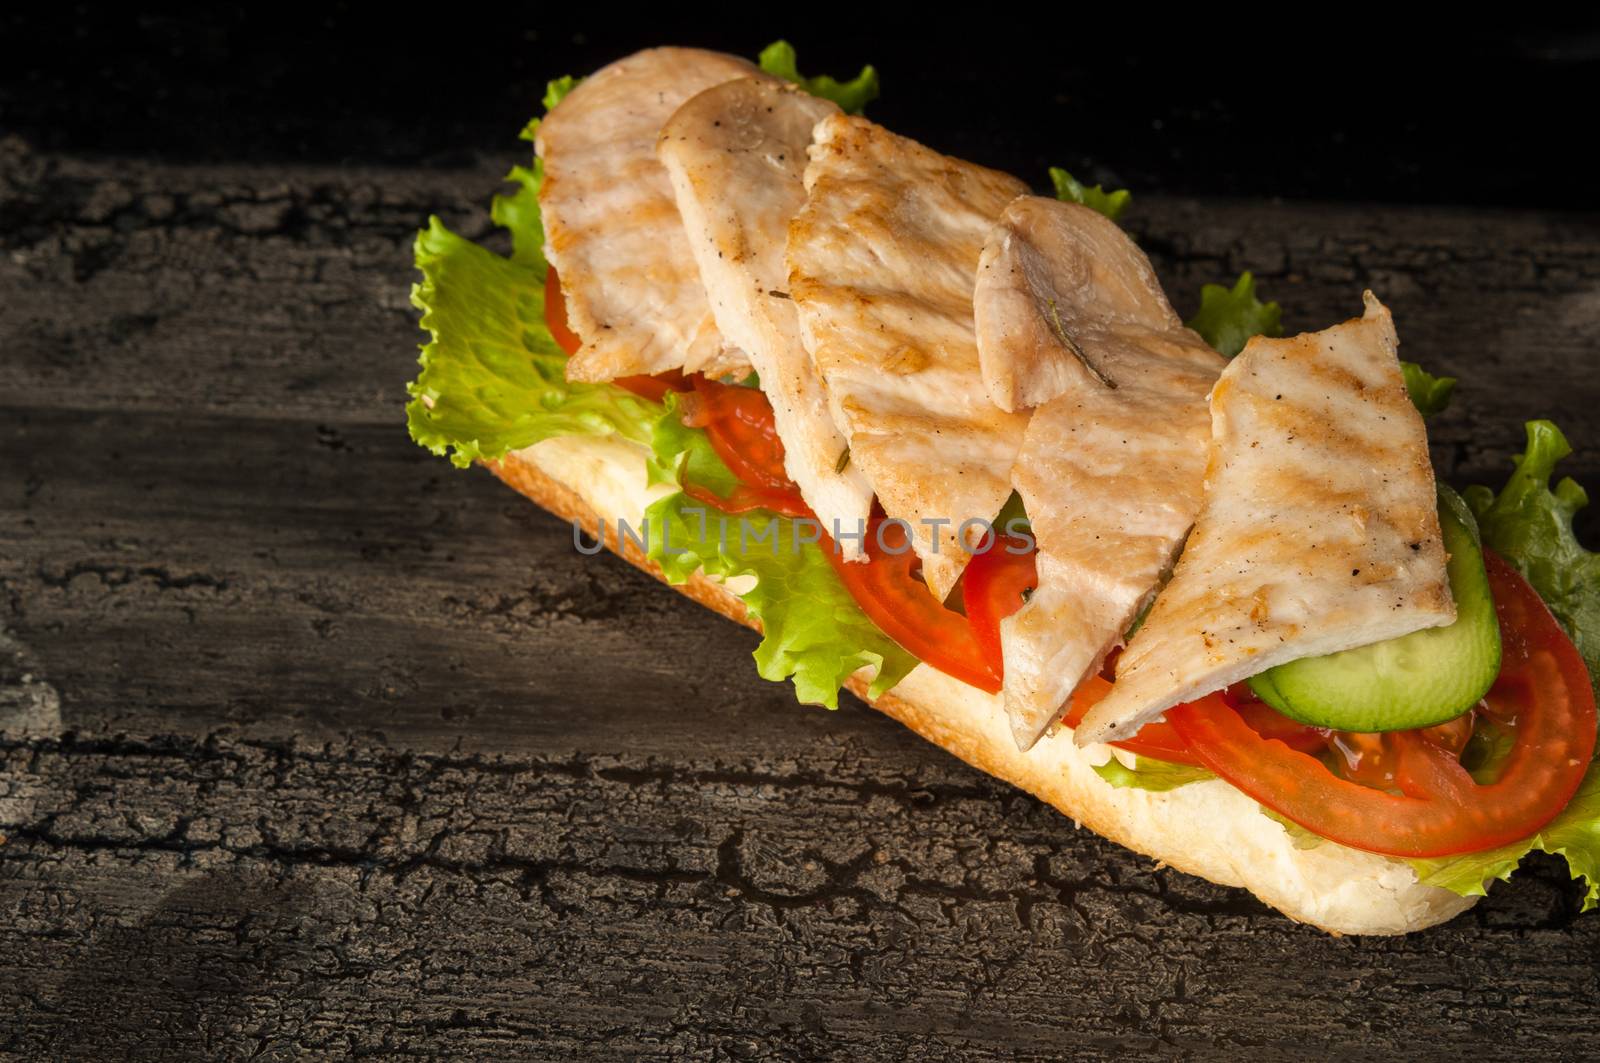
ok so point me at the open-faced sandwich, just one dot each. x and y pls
(947, 444)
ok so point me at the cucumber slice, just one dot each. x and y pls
(1417, 680)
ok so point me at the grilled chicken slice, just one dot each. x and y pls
(612, 230)
(881, 265)
(1319, 531)
(736, 154)
(1070, 317)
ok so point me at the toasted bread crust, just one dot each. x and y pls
(527, 480)
(1207, 829)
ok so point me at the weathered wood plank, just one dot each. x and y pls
(310, 742)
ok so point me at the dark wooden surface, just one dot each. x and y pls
(310, 743)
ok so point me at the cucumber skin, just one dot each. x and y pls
(1459, 680)
(1264, 688)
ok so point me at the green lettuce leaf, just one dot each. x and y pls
(679, 453)
(1574, 834)
(1229, 317)
(778, 59)
(493, 379)
(1530, 526)
(1299, 837)
(813, 631)
(1070, 190)
(1150, 774)
(1429, 394)
(518, 213)
(556, 91)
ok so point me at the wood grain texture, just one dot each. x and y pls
(310, 743)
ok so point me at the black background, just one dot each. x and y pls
(1349, 104)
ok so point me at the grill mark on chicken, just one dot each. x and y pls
(1321, 539)
(736, 155)
(882, 260)
(612, 229)
(1071, 320)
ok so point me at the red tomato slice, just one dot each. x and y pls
(1268, 722)
(994, 585)
(655, 388)
(739, 422)
(555, 316)
(744, 498)
(1439, 810)
(1157, 739)
(888, 590)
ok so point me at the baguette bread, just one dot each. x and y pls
(1204, 828)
